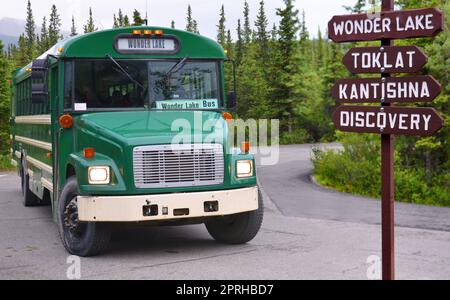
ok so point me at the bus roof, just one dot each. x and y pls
(98, 44)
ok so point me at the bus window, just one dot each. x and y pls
(68, 84)
(160, 84)
(100, 84)
(193, 85)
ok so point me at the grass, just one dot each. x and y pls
(5, 163)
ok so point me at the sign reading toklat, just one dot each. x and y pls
(386, 90)
(425, 22)
(388, 120)
(389, 59)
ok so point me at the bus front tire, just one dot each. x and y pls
(237, 229)
(29, 198)
(83, 239)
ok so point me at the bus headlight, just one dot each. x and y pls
(244, 168)
(99, 175)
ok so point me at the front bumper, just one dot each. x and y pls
(166, 206)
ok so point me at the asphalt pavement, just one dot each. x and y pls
(309, 232)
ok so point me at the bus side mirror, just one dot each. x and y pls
(232, 100)
(39, 70)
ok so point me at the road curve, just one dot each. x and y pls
(289, 185)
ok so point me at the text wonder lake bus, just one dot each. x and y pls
(92, 129)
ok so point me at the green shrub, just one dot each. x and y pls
(356, 169)
(5, 163)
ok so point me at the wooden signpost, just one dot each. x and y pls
(386, 120)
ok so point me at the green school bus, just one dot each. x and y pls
(131, 125)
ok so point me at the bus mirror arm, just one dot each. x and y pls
(232, 96)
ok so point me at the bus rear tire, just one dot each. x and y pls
(237, 229)
(84, 239)
(29, 198)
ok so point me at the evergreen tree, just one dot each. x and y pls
(262, 37)
(115, 23)
(44, 39)
(196, 30)
(229, 44)
(137, 19)
(120, 19)
(189, 20)
(21, 59)
(90, 26)
(286, 64)
(239, 44)
(30, 35)
(320, 56)
(73, 29)
(4, 101)
(172, 24)
(126, 21)
(54, 27)
(221, 31)
(247, 33)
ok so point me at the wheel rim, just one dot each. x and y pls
(72, 225)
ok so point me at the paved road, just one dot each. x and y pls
(294, 243)
(289, 185)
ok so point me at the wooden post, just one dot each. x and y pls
(387, 184)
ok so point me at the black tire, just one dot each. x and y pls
(29, 199)
(83, 239)
(237, 229)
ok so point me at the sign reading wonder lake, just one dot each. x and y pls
(425, 22)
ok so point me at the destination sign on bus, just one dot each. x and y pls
(147, 45)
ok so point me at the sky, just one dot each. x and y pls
(160, 13)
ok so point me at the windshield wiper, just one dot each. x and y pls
(178, 66)
(124, 72)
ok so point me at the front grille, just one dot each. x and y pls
(178, 165)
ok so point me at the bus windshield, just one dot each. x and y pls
(110, 84)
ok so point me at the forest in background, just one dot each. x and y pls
(283, 73)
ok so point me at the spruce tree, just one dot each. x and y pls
(22, 59)
(30, 34)
(247, 29)
(262, 38)
(221, 31)
(54, 27)
(73, 29)
(286, 62)
(189, 20)
(44, 40)
(126, 21)
(4, 101)
(115, 23)
(239, 44)
(137, 18)
(196, 30)
(320, 49)
(120, 19)
(90, 26)
(172, 24)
